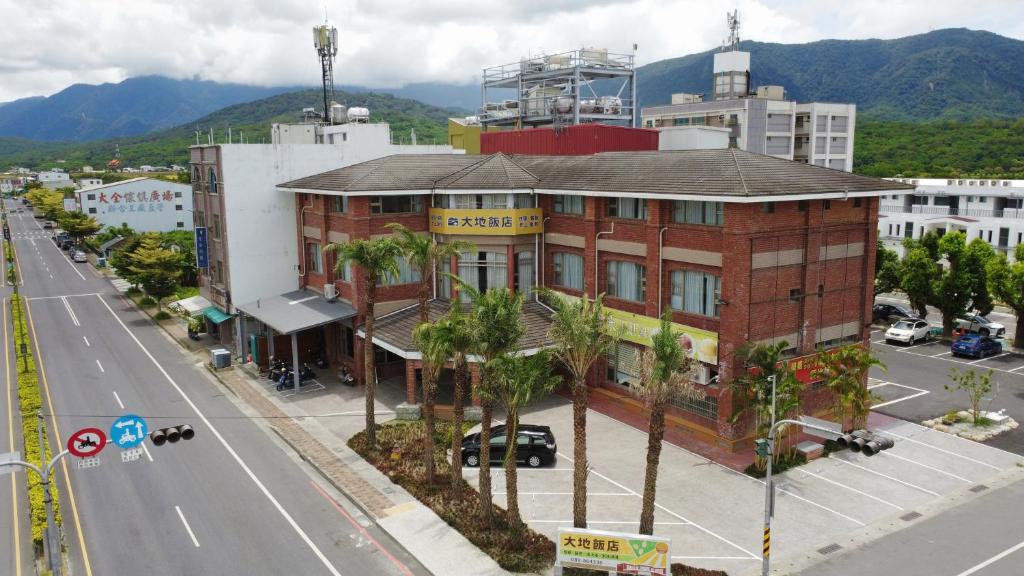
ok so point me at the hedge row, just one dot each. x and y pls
(30, 402)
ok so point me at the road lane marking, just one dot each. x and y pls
(231, 451)
(10, 437)
(57, 435)
(992, 560)
(73, 267)
(943, 450)
(34, 298)
(146, 450)
(877, 473)
(850, 488)
(71, 312)
(33, 243)
(187, 527)
(86, 341)
(923, 465)
(118, 398)
(101, 367)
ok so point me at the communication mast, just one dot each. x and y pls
(733, 20)
(325, 40)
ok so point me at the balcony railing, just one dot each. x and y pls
(1012, 213)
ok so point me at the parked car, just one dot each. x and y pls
(536, 446)
(48, 225)
(908, 331)
(80, 256)
(889, 313)
(981, 325)
(976, 346)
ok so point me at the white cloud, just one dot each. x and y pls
(48, 45)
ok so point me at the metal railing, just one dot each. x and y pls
(1012, 213)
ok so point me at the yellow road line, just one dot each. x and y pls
(57, 436)
(10, 434)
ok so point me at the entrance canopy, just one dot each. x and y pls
(193, 306)
(297, 311)
(216, 315)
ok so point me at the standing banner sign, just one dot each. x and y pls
(614, 552)
(202, 256)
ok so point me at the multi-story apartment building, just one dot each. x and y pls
(992, 210)
(740, 247)
(764, 121)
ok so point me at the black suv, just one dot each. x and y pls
(889, 313)
(536, 446)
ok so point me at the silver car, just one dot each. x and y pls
(907, 331)
(79, 257)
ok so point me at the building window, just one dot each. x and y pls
(406, 274)
(982, 199)
(632, 208)
(90, 196)
(216, 226)
(680, 121)
(219, 272)
(200, 219)
(315, 263)
(92, 210)
(827, 204)
(801, 205)
(695, 292)
(483, 270)
(197, 175)
(696, 212)
(177, 194)
(568, 204)
(626, 280)
(345, 275)
(908, 230)
(568, 270)
(524, 271)
(768, 207)
(856, 202)
(181, 224)
(339, 204)
(178, 207)
(624, 363)
(212, 177)
(396, 204)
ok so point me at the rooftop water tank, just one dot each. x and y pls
(358, 114)
(338, 113)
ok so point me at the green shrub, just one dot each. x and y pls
(788, 460)
(133, 290)
(147, 302)
(162, 315)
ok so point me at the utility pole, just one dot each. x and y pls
(769, 495)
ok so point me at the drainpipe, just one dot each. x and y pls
(302, 242)
(540, 257)
(661, 243)
(597, 258)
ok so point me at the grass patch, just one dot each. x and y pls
(398, 455)
(182, 292)
(790, 459)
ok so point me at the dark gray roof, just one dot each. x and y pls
(298, 310)
(725, 172)
(396, 329)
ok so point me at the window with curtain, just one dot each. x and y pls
(624, 363)
(626, 280)
(444, 282)
(696, 212)
(568, 270)
(524, 200)
(484, 270)
(346, 273)
(316, 261)
(695, 292)
(406, 275)
(633, 208)
(396, 204)
(212, 180)
(524, 280)
(340, 204)
(568, 204)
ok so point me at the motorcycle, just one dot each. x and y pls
(287, 378)
(276, 367)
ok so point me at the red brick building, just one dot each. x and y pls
(741, 247)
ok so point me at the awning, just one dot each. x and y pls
(297, 311)
(216, 315)
(194, 306)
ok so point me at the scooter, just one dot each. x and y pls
(276, 368)
(287, 379)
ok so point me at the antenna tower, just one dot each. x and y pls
(325, 40)
(734, 29)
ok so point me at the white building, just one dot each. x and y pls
(144, 204)
(54, 179)
(89, 182)
(992, 210)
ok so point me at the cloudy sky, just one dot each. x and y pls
(47, 45)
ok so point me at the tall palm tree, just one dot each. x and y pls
(497, 326)
(581, 334)
(456, 331)
(752, 392)
(424, 254)
(375, 258)
(844, 371)
(515, 382)
(666, 371)
(435, 349)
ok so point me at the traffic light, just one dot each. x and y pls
(762, 448)
(865, 441)
(172, 434)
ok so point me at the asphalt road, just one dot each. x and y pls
(231, 501)
(992, 543)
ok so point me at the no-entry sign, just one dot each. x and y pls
(87, 442)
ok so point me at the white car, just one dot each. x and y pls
(907, 331)
(981, 325)
(80, 257)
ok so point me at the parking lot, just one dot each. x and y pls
(714, 514)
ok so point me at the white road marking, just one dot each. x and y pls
(850, 488)
(712, 557)
(118, 398)
(86, 341)
(991, 560)
(569, 522)
(100, 365)
(238, 459)
(877, 473)
(1017, 368)
(62, 296)
(943, 450)
(71, 312)
(923, 465)
(989, 358)
(568, 493)
(956, 360)
(187, 527)
(51, 276)
(73, 267)
(33, 242)
(146, 450)
(912, 396)
(941, 354)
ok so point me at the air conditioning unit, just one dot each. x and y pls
(330, 291)
(703, 375)
(220, 358)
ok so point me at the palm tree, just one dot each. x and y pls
(844, 371)
(752, 392)
(515, 382)
(581, 334)
(666, 371)
(456, 333)
(497, 327)
(376, 258)
(424, 254)
(435, 350)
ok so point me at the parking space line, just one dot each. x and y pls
(1017, 368)
(713, 558)
(875, 472)
(568, 493)
(947, 352)
(612, 522)
(943, 450)
(879, 385)
(912, 396)
(850, 488)
(982, 359)
(957, 361)
(925, 343)
(921, 464)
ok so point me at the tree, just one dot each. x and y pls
(666, 371)
(580, 331)
(78, 225)
(887, 270)
(424, 253)
(752, 392)
(435, 349)
(515, 382)
(456, 331)
(844, 371)
(156, 267)
(1006, 282)
(976, 258)
(917, 275)
(976, 386)
(953, 287)
(374, 258)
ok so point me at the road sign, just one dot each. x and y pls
(128, 431)
(837, 427)
(90, 462)
(131, 455)
(87, 442)
(202, 256)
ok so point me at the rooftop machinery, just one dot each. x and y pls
(576, 87)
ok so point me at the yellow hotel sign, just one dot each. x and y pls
(615, 552)
(491, 222)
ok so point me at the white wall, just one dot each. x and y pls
(693, 138)
(110, 204)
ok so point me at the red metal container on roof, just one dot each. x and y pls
(569, 141)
